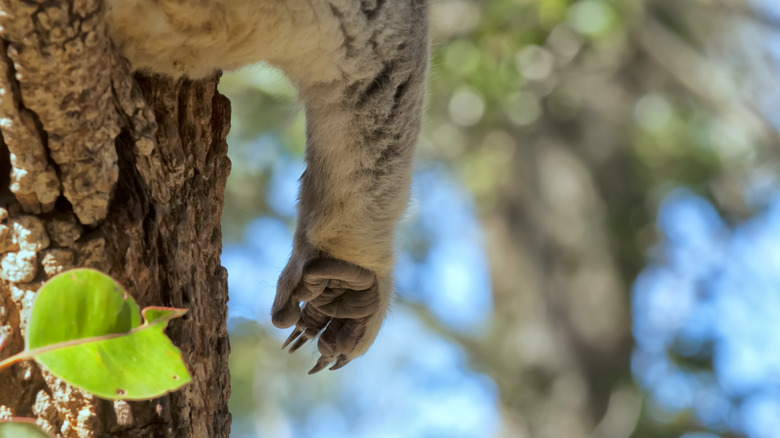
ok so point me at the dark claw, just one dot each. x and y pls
(297, 332)
(298, 344)
(322, 362)
(340, 362)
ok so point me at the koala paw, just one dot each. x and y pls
(341, 303)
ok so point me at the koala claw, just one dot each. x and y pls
(324, 361)
(297, 332)
(340, 362)
(298, 344)
(321, 364)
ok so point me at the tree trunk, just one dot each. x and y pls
(124, 174)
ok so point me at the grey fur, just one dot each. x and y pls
(361, 67)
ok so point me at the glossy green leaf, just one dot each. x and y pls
(87, 330)
(21, 430)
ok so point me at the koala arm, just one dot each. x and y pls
(360, 66)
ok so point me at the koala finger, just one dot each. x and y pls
(349, 335)
(348, 303)
(327, 346)
(345, 274)
(337, 342)
(286, 309)
(285, 314)
(309, 289)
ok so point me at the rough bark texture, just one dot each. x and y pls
(124, 174)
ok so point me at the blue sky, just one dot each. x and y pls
(712, 291)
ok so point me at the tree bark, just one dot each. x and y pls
(126, 174)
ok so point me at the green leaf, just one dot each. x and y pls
(80, 303)
(20, 430)
(87, 330)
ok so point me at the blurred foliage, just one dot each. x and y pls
(568, 122)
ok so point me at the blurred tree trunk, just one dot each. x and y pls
(575, 218)
(564, 340)
(124, 174)
(564, 249)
